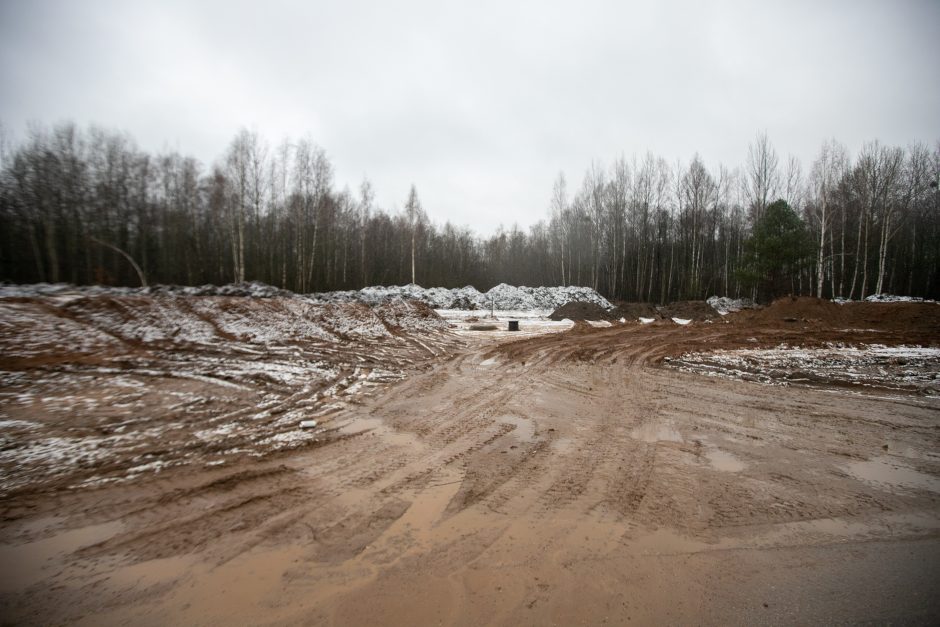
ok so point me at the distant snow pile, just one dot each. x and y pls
(254, 289)
(724, 305)
(503, 297)
(891, 298)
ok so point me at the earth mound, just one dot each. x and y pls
(792, 309)
(688, 310)
(892, 315)
(580, 310)
(634, 311)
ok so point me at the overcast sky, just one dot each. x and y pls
(480, 105)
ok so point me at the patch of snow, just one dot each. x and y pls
(894, 367)
(682, 321)
(892, 298)
(724, 305)
(646, 320)
(18, 424)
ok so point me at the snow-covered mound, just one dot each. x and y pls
(254, 289)
(503, 297)
(100, 322)
(409, 315)
(724, 305)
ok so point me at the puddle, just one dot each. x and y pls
(884, 525)
(152, 572)
(897, 448)
(655, 432)
(366, 426)
(524, 429)
(423, 515)
(724, 461)
(30, 563)
(885, 471)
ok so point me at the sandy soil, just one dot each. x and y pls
(572, 477)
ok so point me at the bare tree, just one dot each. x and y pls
(366, 200)
(415, 216)
(558, 207)
(646, 230)
(827, 171)
(763, 177)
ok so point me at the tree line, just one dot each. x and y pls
(88, 206)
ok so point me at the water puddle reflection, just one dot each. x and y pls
(884, 470)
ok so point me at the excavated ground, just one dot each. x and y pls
(580, 477)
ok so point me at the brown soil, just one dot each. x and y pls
(689, 310)
(577, 310)
(920, 318)
(567, 478)
(794, 309)
(633, 311)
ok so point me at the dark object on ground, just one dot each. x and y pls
(482, 327)
(513, 325)
(578, 310)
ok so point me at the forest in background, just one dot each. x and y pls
(76, 203)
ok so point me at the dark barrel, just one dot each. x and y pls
(513, 325)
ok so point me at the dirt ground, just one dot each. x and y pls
(573, 477)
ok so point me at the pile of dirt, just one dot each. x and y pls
(580, 310)
(688, 310)
(883, 316)
(892, 315)
(634, 311)
(794, 309)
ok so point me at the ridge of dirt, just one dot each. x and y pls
(793, 309)
(175, 381)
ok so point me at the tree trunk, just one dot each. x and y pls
(820, 269)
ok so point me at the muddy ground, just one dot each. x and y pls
(588, 476)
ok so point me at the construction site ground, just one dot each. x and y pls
(568, 474)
